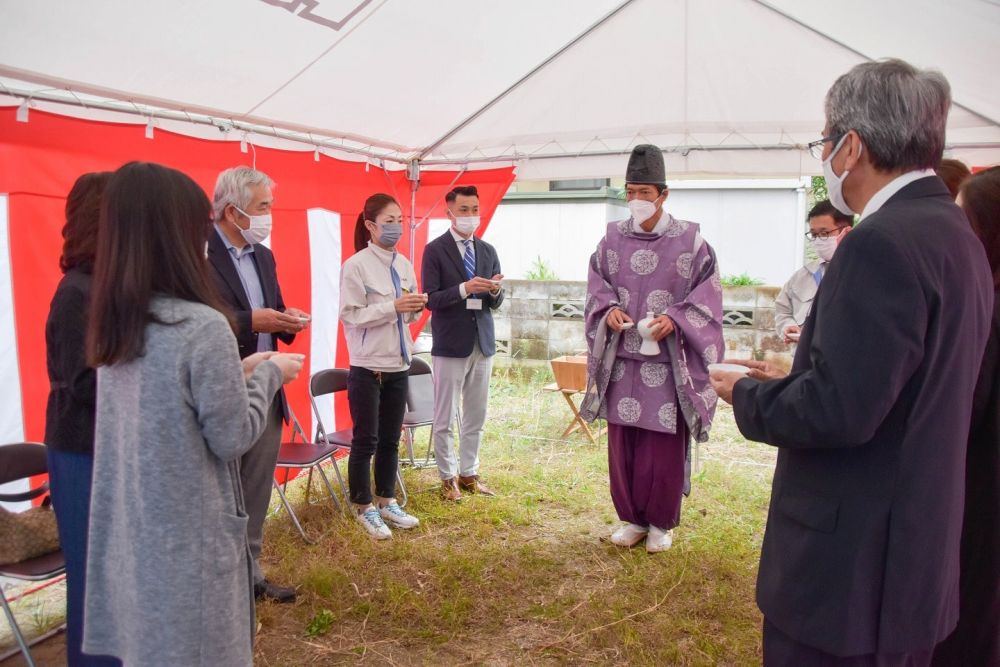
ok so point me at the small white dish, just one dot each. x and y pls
(728, 368)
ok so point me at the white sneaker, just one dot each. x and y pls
(394, 515)
(629, 535)
(659, 540)
(372, 522)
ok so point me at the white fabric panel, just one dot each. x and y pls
(756, 230)
(11, 416)
(325, 262)
(11, 419)
(957, 37)
(397, 76)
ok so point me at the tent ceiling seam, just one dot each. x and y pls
(860, 54)
(308, 66)
(483, 109)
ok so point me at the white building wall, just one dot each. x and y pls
(756, 227)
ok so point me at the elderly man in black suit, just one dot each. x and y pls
(247, 280)
(461, 276)
(859, 564)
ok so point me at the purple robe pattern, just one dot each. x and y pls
(673, 272)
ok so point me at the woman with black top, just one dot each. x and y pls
(69, 415)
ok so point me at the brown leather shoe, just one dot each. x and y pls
(449, 489)
(475, 485)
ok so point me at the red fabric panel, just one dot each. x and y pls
(40, 160)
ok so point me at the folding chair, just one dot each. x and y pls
(333, 381)
(419, 408)
(19, 461)
(304, 454)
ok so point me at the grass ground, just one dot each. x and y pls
(526, 578)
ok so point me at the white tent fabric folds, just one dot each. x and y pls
(561, 88)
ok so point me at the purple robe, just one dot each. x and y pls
(673, 272)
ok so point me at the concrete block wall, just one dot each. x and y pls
(541, 320)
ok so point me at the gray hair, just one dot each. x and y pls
(899, 111)
(233, 187)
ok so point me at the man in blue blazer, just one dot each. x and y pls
(461, 276)
(247, 280)
(860, 559)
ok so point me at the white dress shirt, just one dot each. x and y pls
(891, 188)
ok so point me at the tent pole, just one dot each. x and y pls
(413, 176)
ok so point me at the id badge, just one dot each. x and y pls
(473, 303)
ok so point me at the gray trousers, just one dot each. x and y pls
(256, 474)
(466, 379)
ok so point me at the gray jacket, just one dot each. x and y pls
(168, 574)
(791, 306)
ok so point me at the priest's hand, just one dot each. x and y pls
(661, 327)
(759, 370)
(616, 318)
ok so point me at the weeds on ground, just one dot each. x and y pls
(526, 577)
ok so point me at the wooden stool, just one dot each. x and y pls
(577, 423)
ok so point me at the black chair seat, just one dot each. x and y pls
(342, 438)
(303, 455)
(37, 568)
(417, 418)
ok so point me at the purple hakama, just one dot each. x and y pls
(652, 403)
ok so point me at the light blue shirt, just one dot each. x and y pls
(246, 269)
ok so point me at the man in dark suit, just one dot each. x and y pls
(859, 564)
(246, 276)
(461, 276)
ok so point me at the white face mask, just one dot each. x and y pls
(835, 184)
(825, 247)
(260, 227)
(467, 225)
(641, 210)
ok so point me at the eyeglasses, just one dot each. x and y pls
(812, 236)
(816, 147)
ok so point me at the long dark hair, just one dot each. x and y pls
(83, 208)
(151, 242)
(980, 194)
(373, 206)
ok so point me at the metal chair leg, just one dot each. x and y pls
(329, 488)
(291, 513)
(340, 480)
(402, 487)
(430, 448)
(17, 631)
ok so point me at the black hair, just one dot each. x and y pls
(826, 208)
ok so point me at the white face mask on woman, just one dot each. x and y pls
(260, 227)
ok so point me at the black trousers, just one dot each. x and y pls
(378, 403)
(780, 650)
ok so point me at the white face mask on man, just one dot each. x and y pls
(260, 227)
(834, 183)
(466, 224)
(825, 247)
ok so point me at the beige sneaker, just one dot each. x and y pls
(629, 535)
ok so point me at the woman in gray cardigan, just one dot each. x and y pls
(168, 574)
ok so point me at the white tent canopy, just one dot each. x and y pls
(561, 88)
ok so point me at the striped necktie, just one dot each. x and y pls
(469, 260)
(398, 288)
